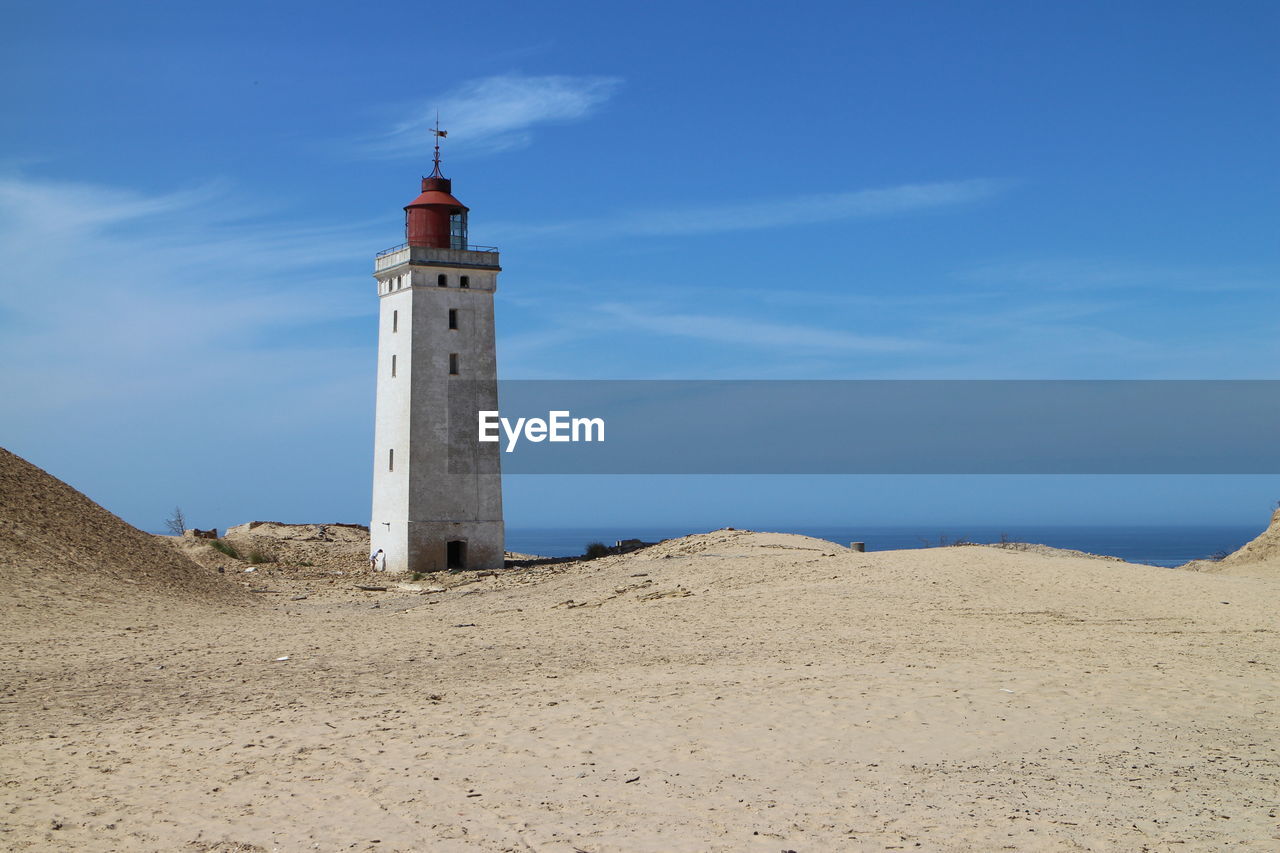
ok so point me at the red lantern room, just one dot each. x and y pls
(435, 218)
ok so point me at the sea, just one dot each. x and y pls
(1156, 545)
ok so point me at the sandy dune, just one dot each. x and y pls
(1259, 558)
(731, 691)
(67, 564)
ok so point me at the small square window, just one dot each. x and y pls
(465, 281)
(442, 280)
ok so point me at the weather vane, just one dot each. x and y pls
(438, 134)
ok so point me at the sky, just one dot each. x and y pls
(191, 195)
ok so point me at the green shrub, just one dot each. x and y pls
(257, 556)
(596, 549)
(226, 548)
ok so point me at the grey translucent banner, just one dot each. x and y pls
(881, 427)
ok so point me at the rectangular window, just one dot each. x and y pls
(393, 365)
(391, 460)
(453, 318)
(458, 230)
(395, 321)
(453, 364)
(465, 281)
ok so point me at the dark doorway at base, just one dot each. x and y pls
(456, 554)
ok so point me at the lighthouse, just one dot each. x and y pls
(437, 490)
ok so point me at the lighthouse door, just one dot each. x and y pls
(456, 554)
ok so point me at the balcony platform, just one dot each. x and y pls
(472, 257)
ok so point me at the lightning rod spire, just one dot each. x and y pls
(438, 133)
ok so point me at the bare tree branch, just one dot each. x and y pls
(177, 522)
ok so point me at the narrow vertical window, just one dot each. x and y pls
(458, 229)
(393, 365)
(391, 460)
(453, 318)
(395, 321)
(442, 280)
(453, 364)
(465, 281)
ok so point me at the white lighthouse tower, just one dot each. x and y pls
(437, 490)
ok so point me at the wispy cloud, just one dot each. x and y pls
(1111, 274)
(744, 332)
(158, 347)
(119, 293)
(498, 113)
(768, 213)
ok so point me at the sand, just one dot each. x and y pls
(322, 548)
(1259, 558)
(732, 691)
(67, 564)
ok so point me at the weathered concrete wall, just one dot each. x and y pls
(428, 544)
(445, 485)
(388, 527)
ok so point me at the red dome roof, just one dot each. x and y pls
(436, 190)
(436, 197)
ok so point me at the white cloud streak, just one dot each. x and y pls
(157, 345)
(1108, 274)
(751, 333)
(113, 294)
(765, 213)
(498, 113)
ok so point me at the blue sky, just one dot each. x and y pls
(191, 196)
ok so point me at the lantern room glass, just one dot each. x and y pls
(458, 230)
